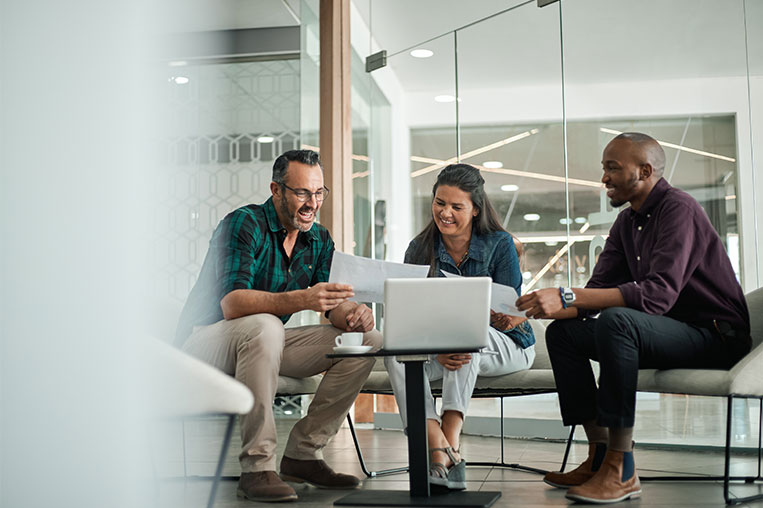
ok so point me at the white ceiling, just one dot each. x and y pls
(604, 40)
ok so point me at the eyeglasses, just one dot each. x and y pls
(305, 195)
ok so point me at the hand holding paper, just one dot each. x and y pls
(367, 276)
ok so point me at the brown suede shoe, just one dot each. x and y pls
(317, 473)
(608, 484)
(580, 474)
(264, 486)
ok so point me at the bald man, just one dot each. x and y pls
(667, 297)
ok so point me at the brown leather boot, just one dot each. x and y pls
(264, 486)
(317, 473)
(615, 481)
(580, 474)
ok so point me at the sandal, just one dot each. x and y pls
(453, 477)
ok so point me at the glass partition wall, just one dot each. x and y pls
(531, 95)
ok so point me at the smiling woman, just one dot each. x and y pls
(465, 238)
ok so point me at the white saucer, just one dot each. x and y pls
(352, 350)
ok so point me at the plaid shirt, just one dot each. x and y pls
(246, 252)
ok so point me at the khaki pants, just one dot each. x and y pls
(256, 349)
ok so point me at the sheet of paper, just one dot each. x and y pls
(502, 298)
(367, 276)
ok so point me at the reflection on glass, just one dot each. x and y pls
(668, 87)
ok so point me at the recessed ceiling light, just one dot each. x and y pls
(527, 275)
(178, 63)
(510, 187)
(421, 53)
(180, 80)
(265, 139)
(531, 217)
(565, 221)
(444, 98)
(551, 243)
(493, 164)
(580, 220)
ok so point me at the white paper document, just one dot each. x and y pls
(367, 276)
(503, 299)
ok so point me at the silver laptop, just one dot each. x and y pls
(436, 314)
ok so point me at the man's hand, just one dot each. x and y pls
(454, 361)
(352, 317)
(541, 304)
(360, 319)
(326, 296)
(504, 321)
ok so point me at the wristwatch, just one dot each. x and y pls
(567, 295)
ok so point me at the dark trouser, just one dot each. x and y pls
(624, 340)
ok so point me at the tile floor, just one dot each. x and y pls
(386, 449)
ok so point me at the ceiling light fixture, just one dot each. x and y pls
(678, 147)
(439, 163)
(565, 220)
(265, 139)
(180, 80)
(510, 187)
(580, 220)
(531, 217)
(493, 164)
(444, 98)
(421, 53)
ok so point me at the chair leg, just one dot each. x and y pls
(760, 436)
(221, 461)
(503, 462)
(370, 474)
(567, 449)
(727, 466)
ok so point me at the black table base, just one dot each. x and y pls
(404, 498)
(418, 459)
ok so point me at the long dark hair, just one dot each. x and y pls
(468, 179)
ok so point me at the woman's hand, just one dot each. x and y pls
(504, 321)
(454, 361)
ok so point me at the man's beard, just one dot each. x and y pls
(631, 184)
(293, 216)
(616, 204)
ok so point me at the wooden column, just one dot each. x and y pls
(335, 126)
(336, 138)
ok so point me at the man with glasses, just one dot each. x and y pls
(264, 263)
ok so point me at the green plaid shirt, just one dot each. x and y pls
(246, 252)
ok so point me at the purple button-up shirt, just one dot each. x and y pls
(667, 259)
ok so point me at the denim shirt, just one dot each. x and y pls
(492, 255)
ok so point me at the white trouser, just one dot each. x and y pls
(457, 385)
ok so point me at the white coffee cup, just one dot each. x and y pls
(349, 339)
